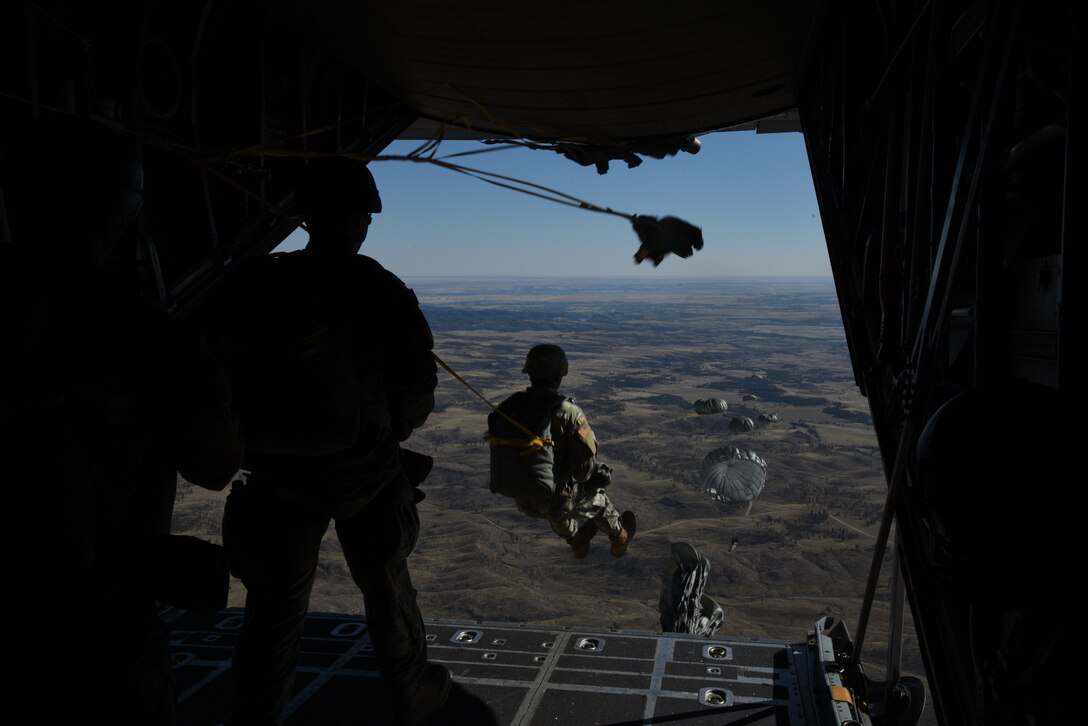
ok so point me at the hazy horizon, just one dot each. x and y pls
(663, 278)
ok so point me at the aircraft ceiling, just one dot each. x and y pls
(599, 73)
(230, 97)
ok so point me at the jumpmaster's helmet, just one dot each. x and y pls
(337, 184)
(545, 361)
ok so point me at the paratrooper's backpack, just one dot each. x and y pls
(520, 470)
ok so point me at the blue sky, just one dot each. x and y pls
(750, 193)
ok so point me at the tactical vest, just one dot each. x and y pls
(517, 471)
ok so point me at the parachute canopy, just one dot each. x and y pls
(750, 397)
(742, 424)
(710, 405)
(732, 474)
(768, 416)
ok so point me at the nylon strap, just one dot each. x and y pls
(529, 445)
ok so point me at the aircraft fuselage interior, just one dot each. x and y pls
(940, 138)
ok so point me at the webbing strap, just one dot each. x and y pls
(529, 445)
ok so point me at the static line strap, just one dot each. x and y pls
(527, 446)
(839, 693)
(530, 444)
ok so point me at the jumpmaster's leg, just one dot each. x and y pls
(376, 544)
(272, 546)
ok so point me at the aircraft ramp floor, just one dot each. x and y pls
(525, 675)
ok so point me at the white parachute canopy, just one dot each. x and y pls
(706, 406)
(732, 474)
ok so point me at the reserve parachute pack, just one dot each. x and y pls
(520, 470)
(302, 380)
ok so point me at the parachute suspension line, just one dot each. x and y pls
(517, 185)
(419, 156)
(529, 445)
(658, 237)
(262, 150)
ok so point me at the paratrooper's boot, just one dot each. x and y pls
(627, 533)
(579, 543)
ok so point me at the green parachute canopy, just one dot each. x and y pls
(706, 406)
(742, 424)
(732, 474)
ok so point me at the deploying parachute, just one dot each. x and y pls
(683, 606)
(741, 424)
(733, 475)
(710, 405)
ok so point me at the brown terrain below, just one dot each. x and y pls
(641, 352)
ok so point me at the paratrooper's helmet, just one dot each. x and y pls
(337, 184)
(545, 361)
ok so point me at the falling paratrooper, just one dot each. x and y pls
(683, 606)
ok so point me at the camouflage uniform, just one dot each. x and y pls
(575, 462)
